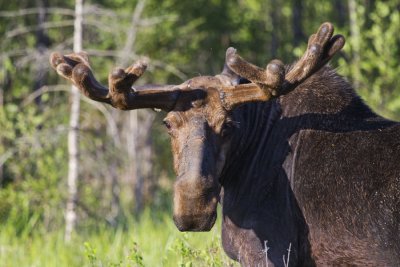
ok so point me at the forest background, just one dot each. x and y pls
(119, 202)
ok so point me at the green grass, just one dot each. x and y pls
(147, 242)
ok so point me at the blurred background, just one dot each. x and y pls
(82, 184)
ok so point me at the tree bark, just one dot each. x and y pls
(275, 16)
(1, 139)
(340, 13)
(115, 211)
(42, 44)
(73, 134)
(355, 42)
(137, 126)
(144, 158)
(297, 22)
(130, 143)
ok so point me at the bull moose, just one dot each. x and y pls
(293, 155)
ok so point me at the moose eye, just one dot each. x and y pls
(229, 127)
(167, 124)
(169, 127)
(226, 130)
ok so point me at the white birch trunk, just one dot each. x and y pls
(73, 134)
(138, 142)
(355, 42)
(1, 141)
(144, 159)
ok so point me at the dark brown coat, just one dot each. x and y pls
(295, 158)
(316, 169)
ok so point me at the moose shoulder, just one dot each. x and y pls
(294, 156)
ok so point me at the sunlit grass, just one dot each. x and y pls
(146, 242)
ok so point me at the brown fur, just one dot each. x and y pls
(313, 168)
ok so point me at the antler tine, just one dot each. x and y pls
(268, 79)
(272, 80)
(321, 48)
(230, 76)
(265, 82)
(75, 68)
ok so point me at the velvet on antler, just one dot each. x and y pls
(265, 83)
(272, 81)
(120, 94)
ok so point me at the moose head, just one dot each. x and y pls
(201, 113)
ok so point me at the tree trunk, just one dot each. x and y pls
(137, 126)
(115, 211)
(73, 134)
(42, 44)
(275, 16)
(144, 158)
(130, 144)
(1, 139)
(297, 22)
(340, 13)
(131, 135)
(355, 42)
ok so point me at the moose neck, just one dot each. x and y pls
(258, 201)
(257, 192)
(269, 131)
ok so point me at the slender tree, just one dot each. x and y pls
(297, 21)
(355, 38)
(42, 44)
(73, 134)
(275, 17)
(137, 124)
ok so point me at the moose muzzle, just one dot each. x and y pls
(195, 205)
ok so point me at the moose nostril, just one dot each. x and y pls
(195, 223)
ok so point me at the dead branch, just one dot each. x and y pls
(46, 25)
(34, 11)
(112, 125)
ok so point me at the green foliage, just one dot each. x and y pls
(34, 161)
(184, 39)
(375, 68)
(186, 253)
(90, 253)
(136, 256)
(189, 255)
(147, 242)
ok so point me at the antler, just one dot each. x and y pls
(272, 81)
(75, 68)
(266, 83)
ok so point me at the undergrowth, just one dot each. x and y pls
(143, 242)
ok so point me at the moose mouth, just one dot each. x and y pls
(195, 205)
(195, 223)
